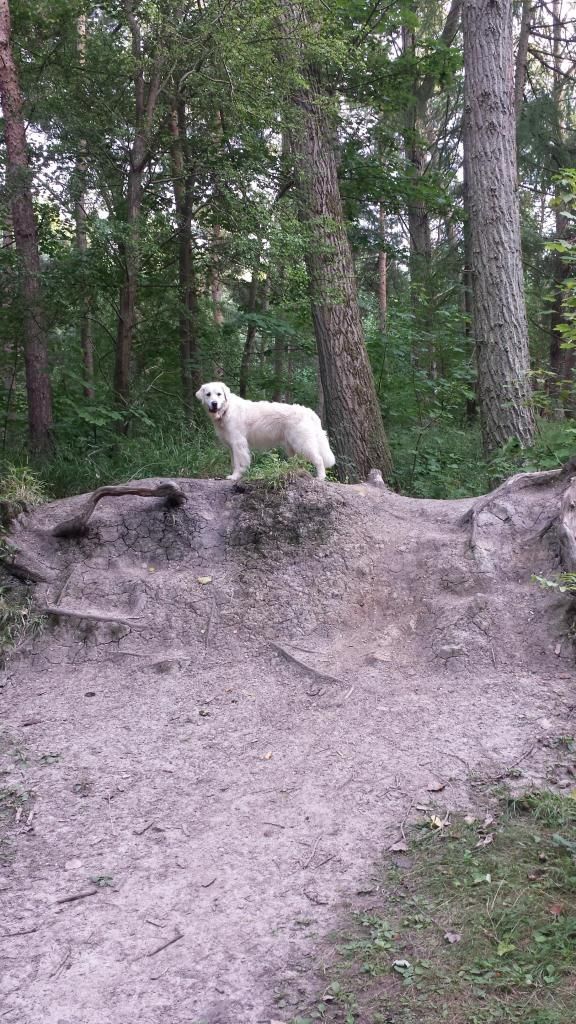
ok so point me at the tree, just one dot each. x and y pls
(353, 415)
(499, 314)
(18, 179)
(145, 100)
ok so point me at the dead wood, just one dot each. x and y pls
(77, 525)
(564, 523)
(515, 483)
(91, 614)
(565, 526)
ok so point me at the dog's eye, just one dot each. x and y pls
(207, 394)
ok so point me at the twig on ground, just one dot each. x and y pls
(77, 896)
(312, 855)
(175, 938)
(58, 970)
(496, 778)
(401, 826)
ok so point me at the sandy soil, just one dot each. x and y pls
(212, 776)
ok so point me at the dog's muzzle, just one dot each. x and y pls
(213, 406)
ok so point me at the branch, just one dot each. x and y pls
(77, 525)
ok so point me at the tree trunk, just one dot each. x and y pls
(499, 313)
(248, 349)
(416, 145)
(353, 415)
(86, 339)
(522, 57)
(18, 175)
(145, 98)
(382, 274)
(187, 287)
(562, 361)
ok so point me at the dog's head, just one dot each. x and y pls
(215, 397)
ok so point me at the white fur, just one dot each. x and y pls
(243, 425)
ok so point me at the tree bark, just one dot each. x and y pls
(86, 339)
(499, 313)
(353, 415)
(18, 180)
(187, 285)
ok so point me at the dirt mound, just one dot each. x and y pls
(235, 703)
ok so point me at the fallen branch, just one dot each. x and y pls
(170, 942)
(77, 525)
(77, 896)
(93, 616)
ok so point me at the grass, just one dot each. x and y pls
(478, 926)
(433, 460)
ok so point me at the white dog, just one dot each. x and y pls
(243, 425)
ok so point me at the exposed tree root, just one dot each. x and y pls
(564, 523)
(90, 614)
(77, 525)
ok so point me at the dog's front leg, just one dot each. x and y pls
(240, 460)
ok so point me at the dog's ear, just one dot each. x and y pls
(226, 391)
(200, 393)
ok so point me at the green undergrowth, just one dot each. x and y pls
(432, 460)
(446, 461)
(475, 923)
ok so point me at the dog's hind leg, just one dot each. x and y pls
(310, 452)
(240, 460)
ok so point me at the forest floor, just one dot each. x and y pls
(196, 792)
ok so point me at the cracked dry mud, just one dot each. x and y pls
(229, 758)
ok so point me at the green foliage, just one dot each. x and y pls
(234, 79)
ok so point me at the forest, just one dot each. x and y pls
(360, 205)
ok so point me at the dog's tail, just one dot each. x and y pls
(326, 452)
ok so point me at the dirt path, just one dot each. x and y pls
(229, 759)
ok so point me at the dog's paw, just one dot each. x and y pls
(233, 476)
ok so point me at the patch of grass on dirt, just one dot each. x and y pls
(286, 509)
(20, 488)
(17, 618)
(477, 926)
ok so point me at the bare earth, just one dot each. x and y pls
(229, 758)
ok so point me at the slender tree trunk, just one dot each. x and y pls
(416, 145)
(86, 339)
(145, 99)
(382, 273)
(187, 286)
(18, 177)
(248, 349)
(215, 278)
(353, 415)
(522, 57)
(499, 312)
(562, 361)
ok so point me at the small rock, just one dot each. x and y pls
(73, 865)
(451, 651)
